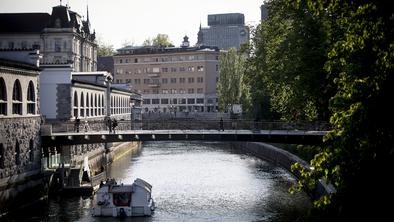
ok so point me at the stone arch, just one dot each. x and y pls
(87, 105)
(17, 98)
(3, 97)
(75, 104)
(91, 105)
(82, 105)
(31, 99)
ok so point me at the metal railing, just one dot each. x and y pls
(190, 124)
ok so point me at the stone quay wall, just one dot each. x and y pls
(20, 160)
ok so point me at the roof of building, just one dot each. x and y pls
(61, 17)
(20, 65)
(139, 50)
(23, 22)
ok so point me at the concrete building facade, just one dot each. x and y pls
(172, 79)
(225, 31)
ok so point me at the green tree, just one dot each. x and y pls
(289, 55)
(361, 153)
(104, 49)
(230, 84)
(159, 40)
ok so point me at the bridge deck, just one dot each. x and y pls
(275, 136)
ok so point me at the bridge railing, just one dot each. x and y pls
(188, 124)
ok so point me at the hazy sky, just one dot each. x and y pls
(118, 21)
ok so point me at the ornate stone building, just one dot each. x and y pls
(62, 37)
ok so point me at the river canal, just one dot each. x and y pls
(192, 181)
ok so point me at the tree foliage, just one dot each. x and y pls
(289, 54)
(159, 40)
(360, 155)
(230, 85)
(333, 60)
(105, 49)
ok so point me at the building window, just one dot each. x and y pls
(3, 97)
(200, 79)
(190, 101)
(182, 80)
(190, 91)
(17, 98)
(155, 101)
(17, 153)
(164, 81)
(190, 80)
(200, 90)
(75, 104)
(11, 45)
(164, 101)
(31, 99)
(58, 45)
(31, 150)
(136, 60)
(174, 101)
(200, 100)
(24, 45)
(200, 68)
(173, 80)
(146, 101)
(2, 156)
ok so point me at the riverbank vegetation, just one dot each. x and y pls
(334, 61)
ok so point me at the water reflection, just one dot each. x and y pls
(195, 182)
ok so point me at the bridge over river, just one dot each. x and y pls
(96, 132)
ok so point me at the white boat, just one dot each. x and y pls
(119, 200)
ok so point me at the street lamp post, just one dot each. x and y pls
(108, 81)
(132, 115)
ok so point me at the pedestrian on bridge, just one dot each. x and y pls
(221, 127)
(108, 123)
(77, 123)
(114, 124)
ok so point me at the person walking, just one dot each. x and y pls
(114, 124)
(86, 125)
(77, 123)
(221, 127)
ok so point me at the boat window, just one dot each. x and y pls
(122, 199)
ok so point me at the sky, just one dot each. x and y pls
(117, 22)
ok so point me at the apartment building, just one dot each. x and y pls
(171, 79)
